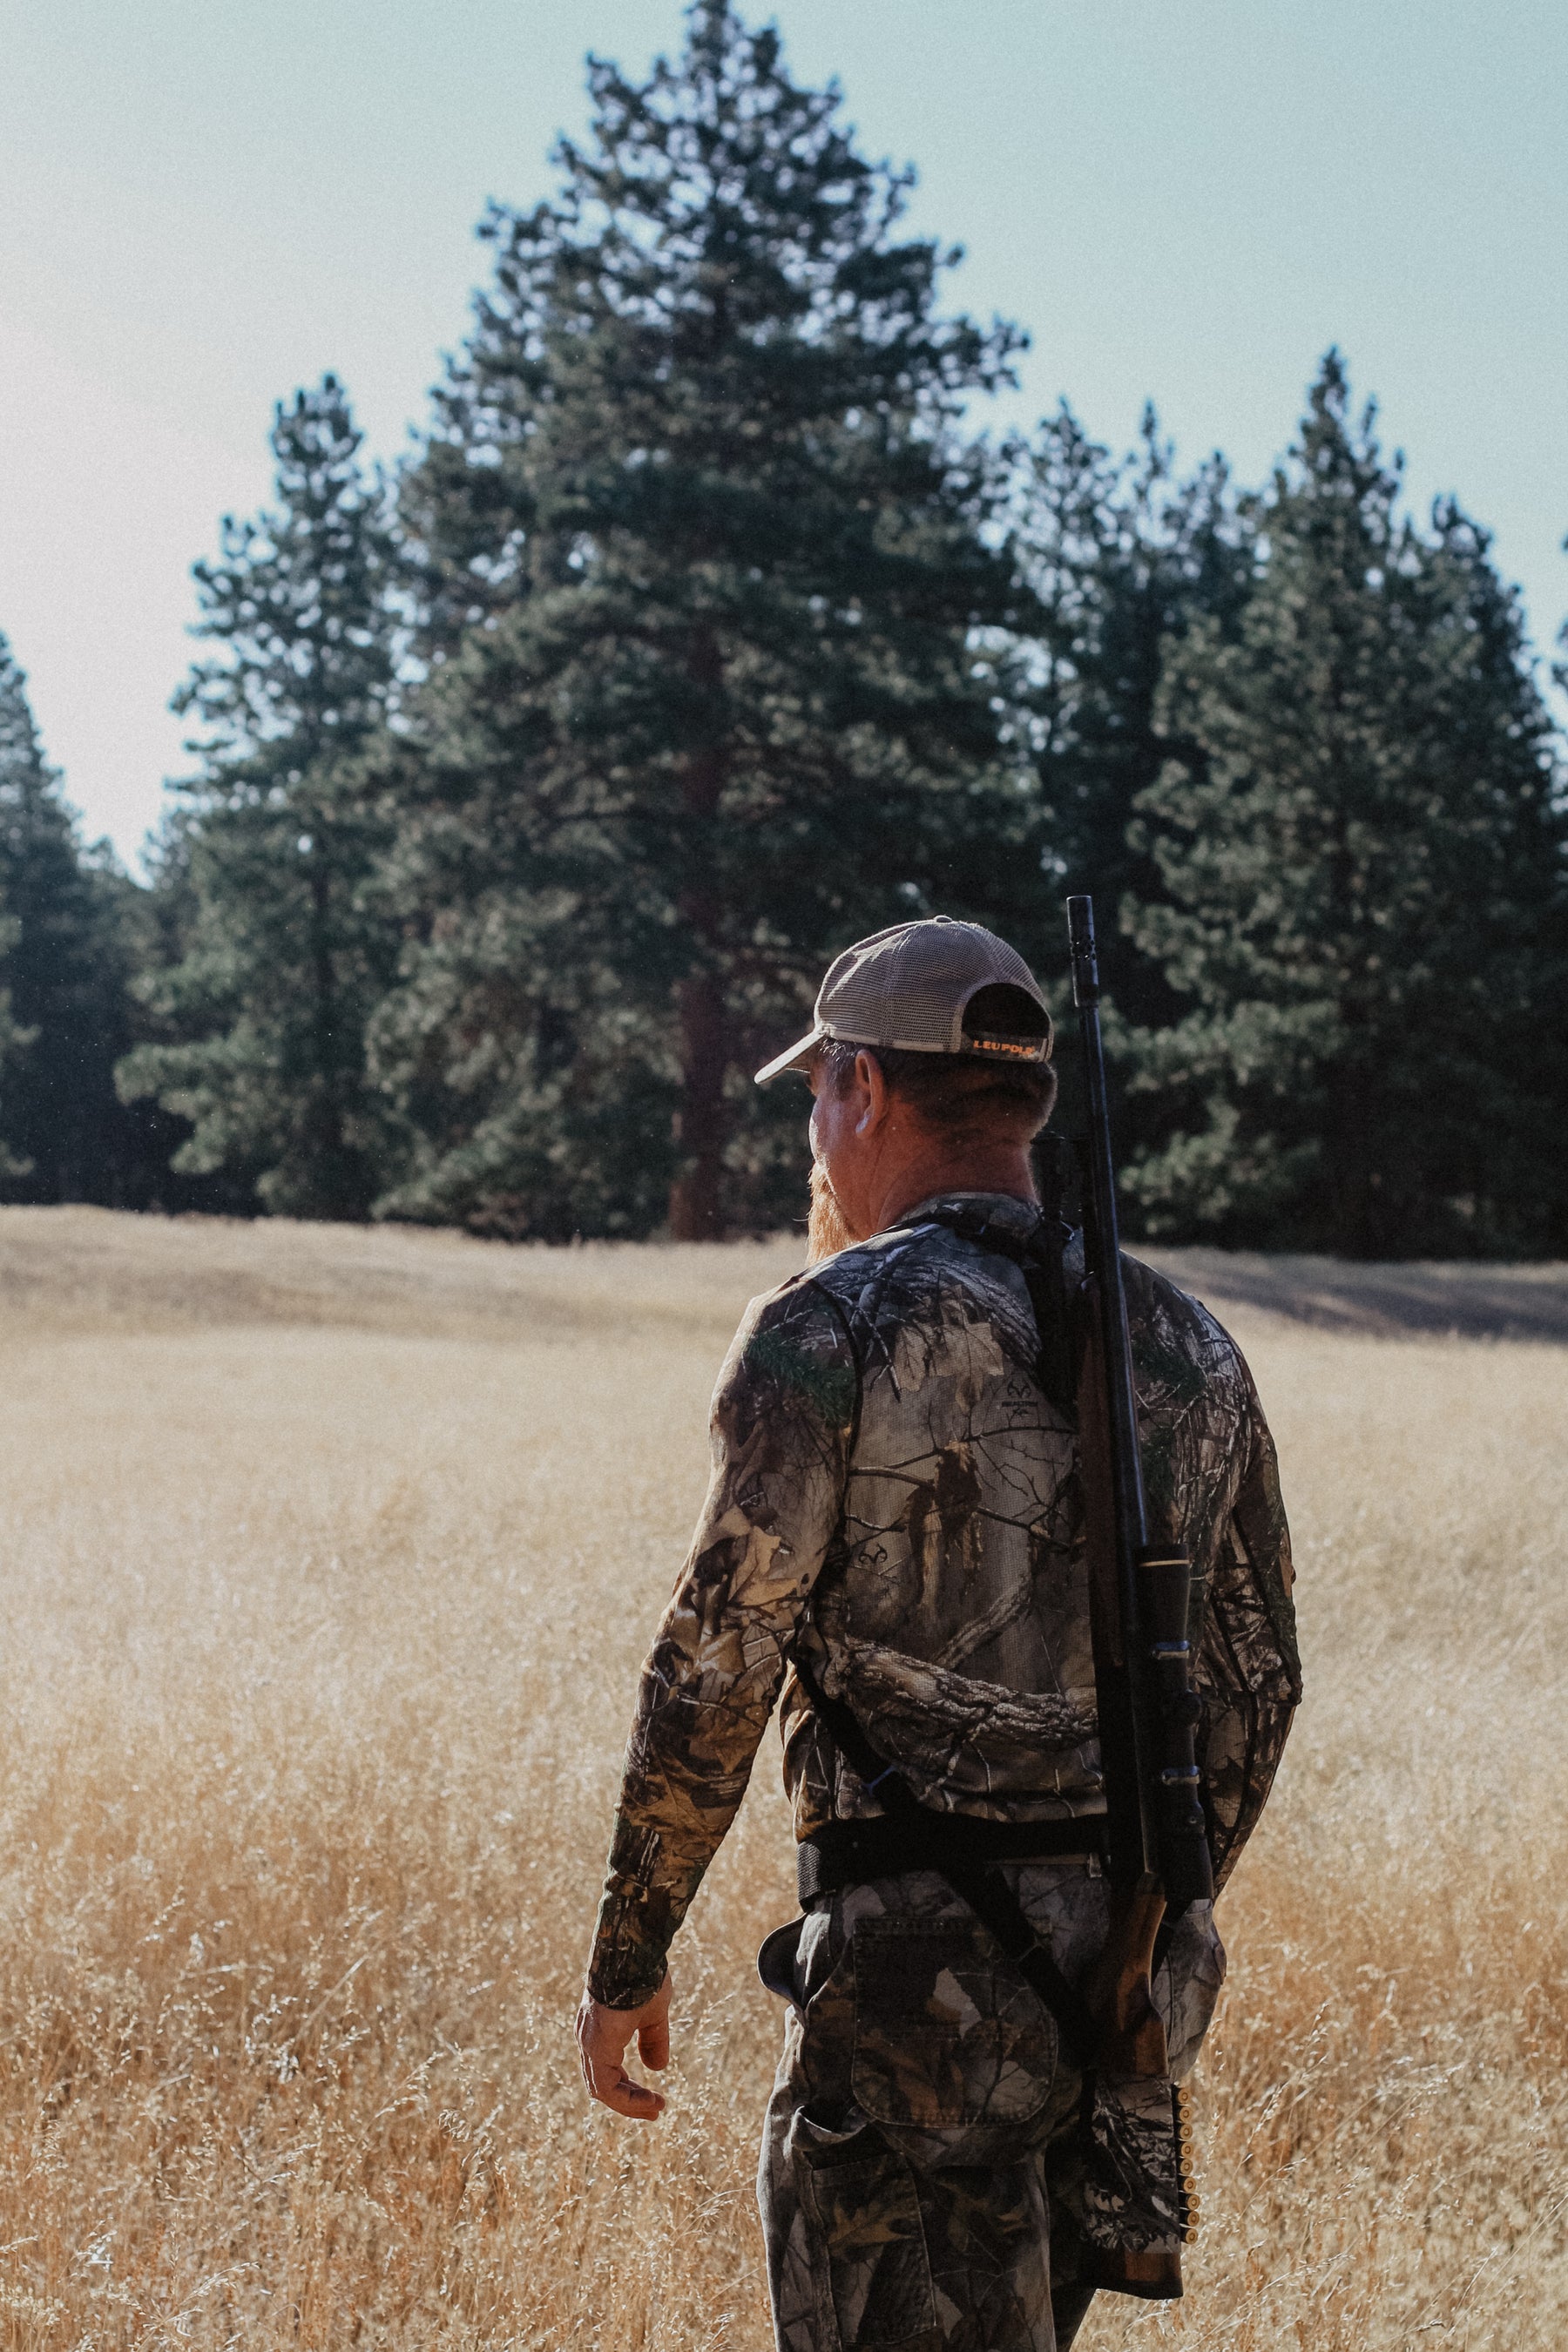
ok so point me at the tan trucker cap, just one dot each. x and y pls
(905, 989)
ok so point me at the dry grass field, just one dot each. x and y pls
(329, 1559)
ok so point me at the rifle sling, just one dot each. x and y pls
(1039, 1256)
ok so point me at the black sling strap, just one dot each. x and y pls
(882, 1845)
(971, 1876)
(1039, 1254)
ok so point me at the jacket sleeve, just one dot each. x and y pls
(781, 1418)
(1249, 1672)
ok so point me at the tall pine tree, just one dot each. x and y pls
(1122, 557)
(704, 563)
(284, 953)
(1364, 864)
(65, 955)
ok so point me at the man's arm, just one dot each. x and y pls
(1248, 1669)
(1214, 1491)
(782, 1414)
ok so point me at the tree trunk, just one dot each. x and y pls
(696, 1197)
(337, 1172)
(696, 1210)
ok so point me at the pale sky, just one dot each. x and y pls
(205, 203)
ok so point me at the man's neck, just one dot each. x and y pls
(1005, 1170)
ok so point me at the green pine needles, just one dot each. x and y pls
(1363, 914)
(73, 930)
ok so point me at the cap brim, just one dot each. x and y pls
(796, 1057)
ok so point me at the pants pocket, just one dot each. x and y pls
(777, 1959)
(948, 2035)
(869, 2230)
(1131, 2177)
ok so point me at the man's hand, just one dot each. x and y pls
(602, 2038)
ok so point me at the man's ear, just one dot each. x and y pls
(873, 1085)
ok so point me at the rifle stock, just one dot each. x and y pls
(1121, 1992)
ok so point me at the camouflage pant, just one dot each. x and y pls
(917, 2176)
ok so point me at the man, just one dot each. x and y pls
(893, 1538)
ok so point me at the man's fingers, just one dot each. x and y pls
(653, 2042)
(602, 2036)
(625, 2097)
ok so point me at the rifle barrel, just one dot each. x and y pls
(1102, 1249)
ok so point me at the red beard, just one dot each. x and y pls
(826, 1232)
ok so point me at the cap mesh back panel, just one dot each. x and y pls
(909, 987)
(943, 969)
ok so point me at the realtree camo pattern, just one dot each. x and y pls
(895, 1501)
(924, 2173)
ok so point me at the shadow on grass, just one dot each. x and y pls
(1467, 1302)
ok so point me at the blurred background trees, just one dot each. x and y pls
(702, 635)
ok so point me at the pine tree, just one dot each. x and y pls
(64, 975)
(702, 569)
(285, 953)
(1123, 557)
(1364, 863)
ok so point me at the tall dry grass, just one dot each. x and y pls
(328, 1562)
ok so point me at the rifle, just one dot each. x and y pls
(1158, 1859)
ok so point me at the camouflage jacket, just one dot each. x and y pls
(895, 1505)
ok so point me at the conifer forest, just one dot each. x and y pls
(709, 627)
